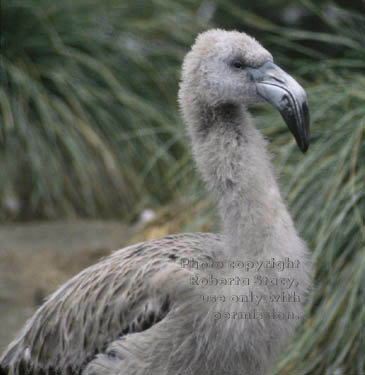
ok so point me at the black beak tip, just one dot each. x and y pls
(304, 147)
(300, 129)
(304, 141)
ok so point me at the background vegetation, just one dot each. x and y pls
(89, 127)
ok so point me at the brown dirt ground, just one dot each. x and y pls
(36, 258)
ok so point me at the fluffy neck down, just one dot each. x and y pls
(232, 158)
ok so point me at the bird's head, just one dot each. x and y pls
(229, 67)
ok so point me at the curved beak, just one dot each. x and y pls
(286, 95)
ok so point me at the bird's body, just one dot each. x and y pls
(150, 308)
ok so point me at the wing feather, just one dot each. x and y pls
(98, 306)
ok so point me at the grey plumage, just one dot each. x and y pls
(140, 310)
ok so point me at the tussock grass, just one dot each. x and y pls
(326, 190)
(89, 120)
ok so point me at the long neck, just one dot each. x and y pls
(231, 155)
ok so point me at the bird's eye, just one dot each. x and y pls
(238, 64)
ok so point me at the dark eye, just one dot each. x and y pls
(238, 64)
